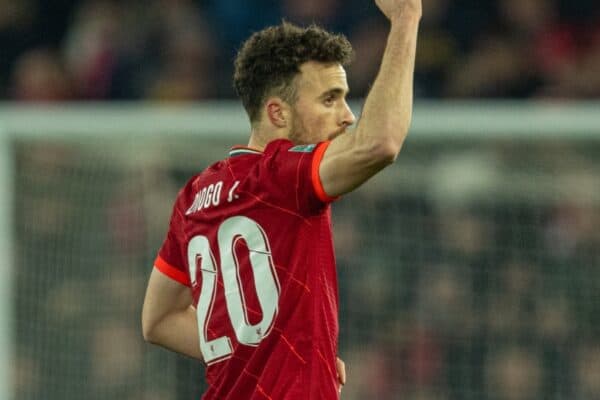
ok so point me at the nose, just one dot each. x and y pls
(348, 117)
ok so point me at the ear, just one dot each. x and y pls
(277, 112)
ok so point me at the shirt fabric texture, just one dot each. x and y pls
(255, 230)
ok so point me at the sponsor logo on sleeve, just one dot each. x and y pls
(303, 148)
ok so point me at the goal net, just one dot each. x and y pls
(469, 269)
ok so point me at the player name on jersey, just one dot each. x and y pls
(210, 196)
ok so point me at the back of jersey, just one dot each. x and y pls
(251, 236)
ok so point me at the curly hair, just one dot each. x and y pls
(270, 59)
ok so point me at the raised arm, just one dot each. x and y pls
(353, 158)
(168, 319)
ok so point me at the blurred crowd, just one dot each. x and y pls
(447, 292)
(182, 50)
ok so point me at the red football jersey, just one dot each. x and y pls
(251, 236)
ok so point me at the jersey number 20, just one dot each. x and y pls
(267, 287)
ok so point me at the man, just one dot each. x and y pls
(246, 279)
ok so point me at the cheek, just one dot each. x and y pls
(318, 129)
(315, 123)
(322, 122)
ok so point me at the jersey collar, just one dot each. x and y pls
(241, 150)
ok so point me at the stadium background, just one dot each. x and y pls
(469, 270)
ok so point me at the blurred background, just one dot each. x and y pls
(183, 49)
(470, 269)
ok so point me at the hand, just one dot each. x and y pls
(393, 9)
(340, 366)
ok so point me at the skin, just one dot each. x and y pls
(319, 113)
(168, 317)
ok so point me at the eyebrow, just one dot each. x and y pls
(337, 91)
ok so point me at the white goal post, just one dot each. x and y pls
(6, 262)
(571, 121)
(467, 119)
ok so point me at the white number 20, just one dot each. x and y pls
(267, 286)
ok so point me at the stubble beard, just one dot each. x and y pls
(298, 132)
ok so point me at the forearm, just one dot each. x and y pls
(387, 111)
(178, 332)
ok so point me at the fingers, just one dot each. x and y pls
(341, 372)
(395, 8)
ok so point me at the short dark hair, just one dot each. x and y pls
(270, 59)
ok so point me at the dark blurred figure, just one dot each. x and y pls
(514, 373)
(182, 49)
(16, 20)
(186, 54)
(587, 369)
(368, 40)
(40, 76)
(506, 58)
(91, 47)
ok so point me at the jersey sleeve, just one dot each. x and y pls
(294, 174)
(171, 260)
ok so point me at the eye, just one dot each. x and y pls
(328, 101)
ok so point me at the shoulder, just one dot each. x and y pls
(278, 145)
(285, 147)
(189, 190)
(296, 166)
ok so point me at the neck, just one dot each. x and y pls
(259, 138)
(257, 141)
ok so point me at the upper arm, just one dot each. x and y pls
(349, 161)
(163, 296)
